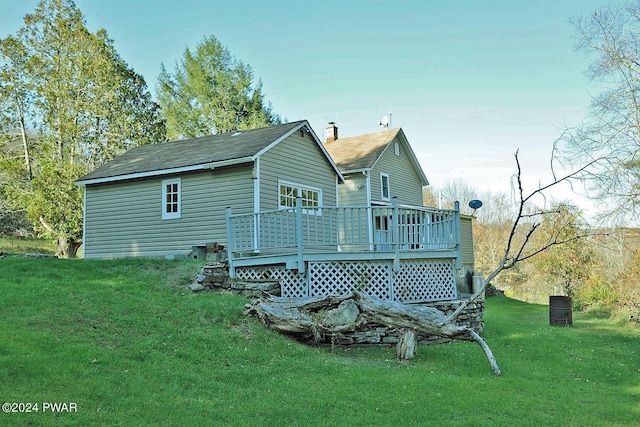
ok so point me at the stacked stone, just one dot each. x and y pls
(471, 316)
(215, 276)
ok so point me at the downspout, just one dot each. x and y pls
(456, 234)
(231, 245)
(84, 223)
(337, 229)
(396, 233)
(367, 175)
(255, 176)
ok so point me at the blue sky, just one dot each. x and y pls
(470, 82)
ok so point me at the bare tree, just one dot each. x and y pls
(569, 225)
(611, 131)
(458, 190)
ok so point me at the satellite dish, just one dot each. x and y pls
(384, 122)
(475, 204)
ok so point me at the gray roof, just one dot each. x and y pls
(192, 154)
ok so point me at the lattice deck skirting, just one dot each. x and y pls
(292, 283)
(416, 281)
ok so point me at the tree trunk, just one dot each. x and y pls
(407, 344)
(67, 248)
(25, 143)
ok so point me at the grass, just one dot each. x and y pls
(22, 245)
(130, 346)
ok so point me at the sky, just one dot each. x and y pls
(468, 81)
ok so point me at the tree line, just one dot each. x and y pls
(69, 103)
(597, 266)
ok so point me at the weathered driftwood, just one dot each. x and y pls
(336, 314)
(407, 344)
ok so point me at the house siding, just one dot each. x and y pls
(404, 181)
(354, 190)
(296, 160)
(124, 219)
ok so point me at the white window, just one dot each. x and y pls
(311, 197)
(384, 186)
(171, 198)
(396, 149)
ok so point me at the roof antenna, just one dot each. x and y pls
(385, 122)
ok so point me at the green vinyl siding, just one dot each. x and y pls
(124, 219)
(404, 181)
(296, 160)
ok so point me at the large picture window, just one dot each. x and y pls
(311, 197)
(171, 199)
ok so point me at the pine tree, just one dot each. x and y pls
(211, 92)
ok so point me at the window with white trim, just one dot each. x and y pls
(171, 208)
(311, 197)
(385, 192)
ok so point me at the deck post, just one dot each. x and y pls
(230, 243)
(299, 234)
(456, 234)
(396, 233)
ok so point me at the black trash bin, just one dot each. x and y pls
(560, 313)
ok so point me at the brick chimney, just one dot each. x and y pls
(332, 132)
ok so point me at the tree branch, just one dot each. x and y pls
(513, 253)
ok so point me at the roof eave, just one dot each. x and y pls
(304, 124)
(412, 156)
(160, 172)
(359, 170)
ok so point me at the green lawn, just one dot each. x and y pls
(128, 346)
(13, 245)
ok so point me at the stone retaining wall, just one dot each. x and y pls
(215, 276)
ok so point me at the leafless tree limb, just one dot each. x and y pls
(515, 250)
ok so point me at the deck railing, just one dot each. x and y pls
(301, 229)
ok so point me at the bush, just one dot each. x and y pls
(14, 223)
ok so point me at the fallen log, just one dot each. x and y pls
(335, 314)
(420, 318)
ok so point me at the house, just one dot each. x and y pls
(379, 237)
(382, 165)
(376, 167)
(321, 219)
(164, 199)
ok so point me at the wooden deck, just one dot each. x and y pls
(296, 236)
